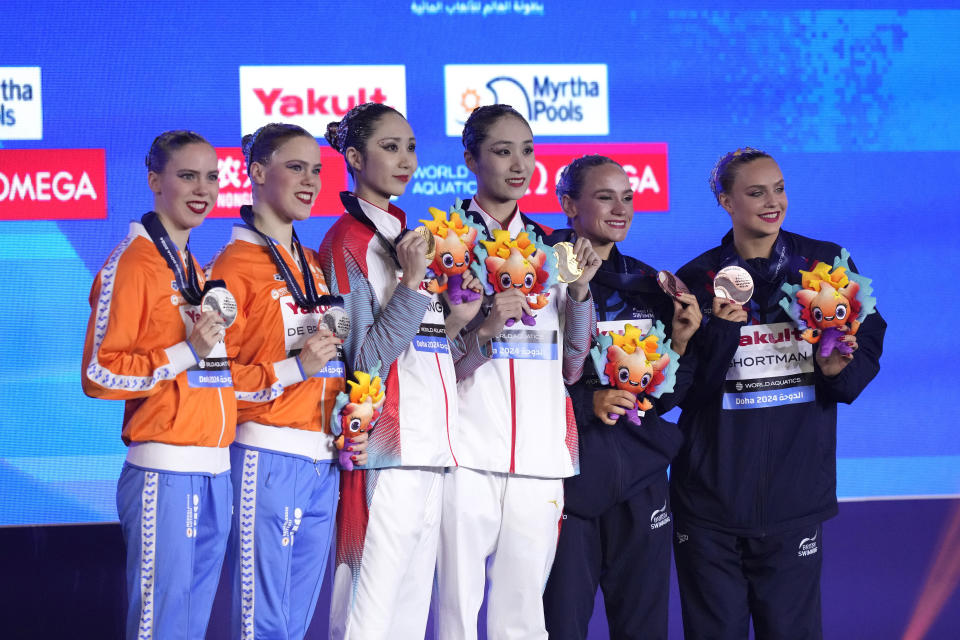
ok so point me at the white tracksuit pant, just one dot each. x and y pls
(512, 520)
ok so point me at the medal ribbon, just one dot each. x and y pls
(357, 212)
(306, 299)
(781, 262)
(187, 282)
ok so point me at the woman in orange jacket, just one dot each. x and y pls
(289, 369)
(149, 343)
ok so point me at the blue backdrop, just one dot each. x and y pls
(858, 106)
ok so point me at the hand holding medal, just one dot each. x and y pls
(587, 263)
(207, 332)
(686, 310)
(218, 309)
(412, 258)
(732, 288)
(324, 345)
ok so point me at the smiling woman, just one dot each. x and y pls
(184, 180)
(617, 508)
(768, 456)
(516, 437)
(389, 518)
(154, 348)
(289, 370)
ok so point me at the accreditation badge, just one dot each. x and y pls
(773, 366)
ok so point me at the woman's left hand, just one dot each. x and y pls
(461, 314)
(836, 362)
(357, 444)
(686, 321)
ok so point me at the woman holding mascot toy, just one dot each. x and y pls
(756, 476)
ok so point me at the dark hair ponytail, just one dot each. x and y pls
(356, 127)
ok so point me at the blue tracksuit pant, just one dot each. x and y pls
(175, 527)
(285, 508)
(725, 580)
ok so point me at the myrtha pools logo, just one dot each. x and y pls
(556, 99)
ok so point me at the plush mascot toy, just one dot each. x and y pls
(644, 365)
(357, 411)
(829, 304)
(454, 238)
(521, 263)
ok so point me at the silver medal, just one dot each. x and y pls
(222, 302)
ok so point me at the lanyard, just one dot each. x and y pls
(306, 298)
(352, 206)
(781, 263)
(187, 283)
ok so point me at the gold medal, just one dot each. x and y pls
(427, 235)
(568, 269)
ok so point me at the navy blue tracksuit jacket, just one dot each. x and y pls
(759, 420)
(616, 462)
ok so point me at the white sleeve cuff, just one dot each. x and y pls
(181, 356)
(288, 372)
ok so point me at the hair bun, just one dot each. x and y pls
(246, 146)
(331, 135)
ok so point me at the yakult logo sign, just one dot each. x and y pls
(556, 99)
(52, 184)
(313, 96)
(235, 183)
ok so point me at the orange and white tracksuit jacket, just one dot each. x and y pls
(263, 343)
(180, 413)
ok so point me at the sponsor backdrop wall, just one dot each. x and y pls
(858, 106)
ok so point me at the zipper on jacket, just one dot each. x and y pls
(446, 408)
(762, 488)
(323, 404)
(764, 457)
(223, 416)
(513, 420)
